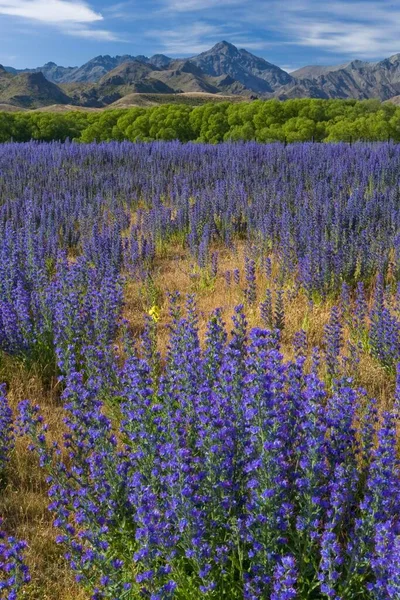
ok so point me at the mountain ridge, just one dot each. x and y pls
(224, 69)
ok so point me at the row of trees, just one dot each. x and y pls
(262, 121)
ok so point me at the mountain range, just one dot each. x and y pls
(222, 70)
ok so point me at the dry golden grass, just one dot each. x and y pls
(24, 503)
(173, 272)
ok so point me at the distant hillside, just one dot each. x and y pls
(136, 77)
(5, 76)
(29, 90)
(60, 108)
(185, 76)
(188, 98)
(12, 108)
(127, 78)
(395, 100)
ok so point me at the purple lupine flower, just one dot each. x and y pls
(266, 310)
(250, 276)
(397, 391)
(14, 573)
(360, 309)
(214, 264)
(279, 313)
(333, 342)
(268, 267)
(312, 472)
(268, 507)
(300, 343)
(386, 561)
(6, 429)
(285, 578)
(380, 503)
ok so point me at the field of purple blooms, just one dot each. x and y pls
(181, 457)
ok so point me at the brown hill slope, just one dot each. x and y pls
(30, 90)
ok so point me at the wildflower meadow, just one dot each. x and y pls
(199, 369)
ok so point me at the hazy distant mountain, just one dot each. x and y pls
(11, 70)
(224, 70)
(159, 60)
(314, 71)
(4, 73)
(356, 79)
(50, 70)
(93, 70)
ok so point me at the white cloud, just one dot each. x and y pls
(7, 58)
(359, 29)
(250, 44)
(289, 68)
(187, 39)
(198, 5)
(101, 35)
(119, 6)
(50, 11)
(70, 17)
(126, 10)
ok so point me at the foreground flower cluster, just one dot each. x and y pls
(232, 475)
(13, 571)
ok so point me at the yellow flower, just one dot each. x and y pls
(154, 313)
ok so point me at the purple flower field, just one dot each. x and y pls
(217, 438)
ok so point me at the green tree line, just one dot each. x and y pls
(260, 120)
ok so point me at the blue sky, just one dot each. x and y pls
(288, 33)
